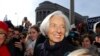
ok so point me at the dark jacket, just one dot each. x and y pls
(59, 49)
(14, 51)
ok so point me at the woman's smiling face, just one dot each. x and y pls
(56, 29)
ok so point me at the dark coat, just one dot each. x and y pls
(14, 51)
(59, 49)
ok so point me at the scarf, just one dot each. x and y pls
(53, 50)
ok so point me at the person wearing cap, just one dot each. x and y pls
(55, 27)
(6, 49)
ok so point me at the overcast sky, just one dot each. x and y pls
(17, 9)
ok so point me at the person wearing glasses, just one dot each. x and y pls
(6, 49)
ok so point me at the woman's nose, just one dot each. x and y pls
(58, 29)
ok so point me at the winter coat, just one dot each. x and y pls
(14, 51)
(59, 49)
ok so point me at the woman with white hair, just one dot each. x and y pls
(55, 27)
(96, 30)
(96, 27)
(82, 52)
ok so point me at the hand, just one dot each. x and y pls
(29, 52)
(18, 45)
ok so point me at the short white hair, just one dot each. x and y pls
(45, 23)
(94, 26)
(80, 52)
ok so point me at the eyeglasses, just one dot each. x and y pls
(2, 34)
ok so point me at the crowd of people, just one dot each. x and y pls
(54, 37)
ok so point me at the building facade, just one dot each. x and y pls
(48, 7)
